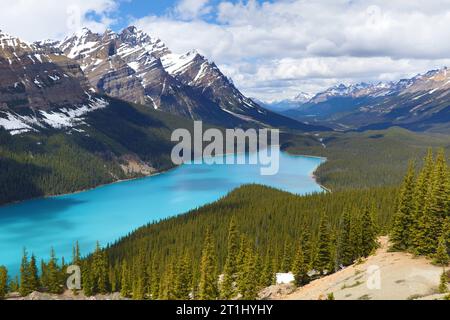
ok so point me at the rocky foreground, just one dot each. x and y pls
(383, 276)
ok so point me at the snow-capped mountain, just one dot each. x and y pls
(138, 68)
(303, 97)
(286, 104)
(407, 102)
(40, 88)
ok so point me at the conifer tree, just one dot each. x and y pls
(154, 283)
(333, 266)
(208, 271)
(25, 287)
(138, 289)
(369, 239)
(3, 282)
(323, 258)
(436, 206)
(76, 255)
(443, 284)
(124, 284)
(286, 261)
(183, 279)
(441, 256)
(268, 274)
(421, 193)
(356, 235)
(345, 246)
(299, 268)
(54, 285)
(33, 274)
(227, 290)
(307, 246)
(87, 279)
(14, 284)
(401, 236)
(44, 274)
(248, 283)
(112, 279)
(100, 270)
(167, 287)
(242, 251)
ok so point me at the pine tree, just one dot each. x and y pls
(3, 282)
(227, 290)
(183, 279)
(53, 270)
(436, 207)
(100, 270)
(356, 235)
(323, 258)
(443, 284)
(33, 280)
(299, 268)
(345, 245)
(138, 289)
(248, 283)
(87, 279)
(167, 286)
(421, 194)
(44, 274)
(76, 255)
(14, 284)
(154, 283)
(112, 279)
(124, 284)
(441, 256)
(401, 236)
(268, 274)
(369, 239)
(286, 261)
(208, 271)
(25, 287)
(242, 250)
(307, 246)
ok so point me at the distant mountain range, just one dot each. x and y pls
(286, 104)
(420, 103)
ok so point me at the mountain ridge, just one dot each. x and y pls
(419, 103)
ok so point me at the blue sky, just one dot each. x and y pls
(142, 8)
(271, 49)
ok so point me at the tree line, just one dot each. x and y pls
(226, 250)
(422, 221)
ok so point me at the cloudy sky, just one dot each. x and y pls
(271, 49)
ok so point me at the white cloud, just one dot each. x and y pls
(274, 49)
(34, 20)
(191, 9)
(287, 46)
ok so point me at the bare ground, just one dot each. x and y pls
(383, 276)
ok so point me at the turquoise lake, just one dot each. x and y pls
(109, 212)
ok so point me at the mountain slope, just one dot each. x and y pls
(34, 81)
(138, 68)
(420, 103)
(402, 276)
(118, 141)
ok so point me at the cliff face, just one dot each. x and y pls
(138, 68)
(33, 76)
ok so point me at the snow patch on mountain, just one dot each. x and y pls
(58, 119)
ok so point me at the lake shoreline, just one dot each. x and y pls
(156, 173)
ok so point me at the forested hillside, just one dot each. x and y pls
(365, 159)
(247, 236)
(118, 142)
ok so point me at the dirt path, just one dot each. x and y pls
(383, 276)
